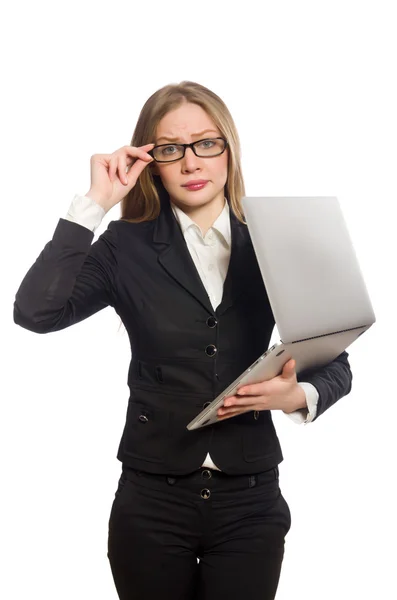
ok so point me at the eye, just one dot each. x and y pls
(207, 143)
(169, 150)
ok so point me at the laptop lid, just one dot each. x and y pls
(308, 264)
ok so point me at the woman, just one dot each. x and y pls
(180, 270)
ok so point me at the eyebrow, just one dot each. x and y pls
(171, 139)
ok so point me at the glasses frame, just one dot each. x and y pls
(184, 146)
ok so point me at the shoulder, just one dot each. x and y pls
(124, 234)
(124, 229)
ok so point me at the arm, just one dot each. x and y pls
(85, 211)
(322, 386)
(332, 382)
(71, 279)
(308, 411)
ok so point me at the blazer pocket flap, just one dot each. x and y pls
(146, 434)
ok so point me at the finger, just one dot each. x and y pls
(122, 170)
(228, 414)
(118, 170)
(140, 152)
(234, 410)
(255, 389)
(246, 391)
(132, 155)
(238, 401)
(112, 167)
(222, 417)
(145, 156)
(229, 400)
(136, 170)
(235, 401)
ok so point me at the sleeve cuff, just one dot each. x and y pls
(86, 212)
(306, 415)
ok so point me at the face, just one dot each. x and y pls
(184, 125)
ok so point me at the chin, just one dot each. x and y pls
(199, 197)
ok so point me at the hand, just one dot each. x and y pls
(110, 182)
(279, 393)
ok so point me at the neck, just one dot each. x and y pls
(205, 215)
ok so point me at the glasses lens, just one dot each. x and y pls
(168, 152)
(210, 147)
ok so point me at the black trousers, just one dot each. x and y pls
(205, 536)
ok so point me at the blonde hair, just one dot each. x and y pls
(142, 203)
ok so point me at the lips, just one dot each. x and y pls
(195, 182)
(193, 186)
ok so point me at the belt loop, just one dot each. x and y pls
(252, 481)
(276, 472)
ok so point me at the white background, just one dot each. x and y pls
(312, 88)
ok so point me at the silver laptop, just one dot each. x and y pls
(314, 283)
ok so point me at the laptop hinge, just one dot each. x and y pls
(325, 335)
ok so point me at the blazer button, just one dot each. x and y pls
(143, 418)
(211, 350)
(212, 322)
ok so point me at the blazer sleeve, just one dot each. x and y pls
(333, 381)
(70, 280)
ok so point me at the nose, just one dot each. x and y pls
(190, 161)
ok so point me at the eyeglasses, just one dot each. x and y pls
(202, 148)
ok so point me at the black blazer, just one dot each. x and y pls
(183, 353)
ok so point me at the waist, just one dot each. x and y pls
(204, 478)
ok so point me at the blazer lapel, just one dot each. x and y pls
(240, 265)
(175, 258)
